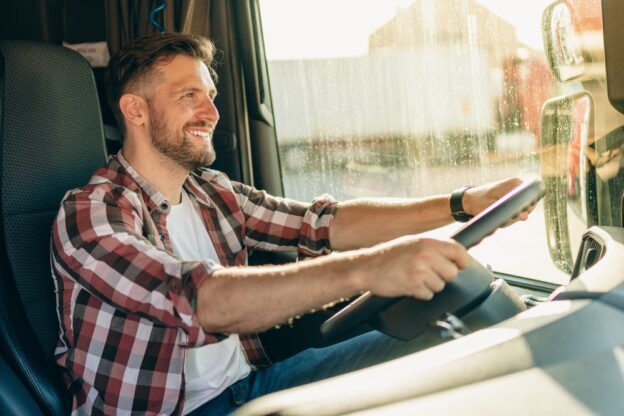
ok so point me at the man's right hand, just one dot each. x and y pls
(412, 266)
(252, 299)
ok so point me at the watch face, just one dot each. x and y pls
(462, 216)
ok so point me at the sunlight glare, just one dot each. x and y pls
(304, 29)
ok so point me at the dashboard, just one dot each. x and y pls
(559, 357)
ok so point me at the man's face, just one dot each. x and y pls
(182, 112)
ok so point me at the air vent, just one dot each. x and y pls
(591, 251)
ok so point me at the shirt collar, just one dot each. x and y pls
(154, 198)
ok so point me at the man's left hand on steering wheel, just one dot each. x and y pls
(478, 198)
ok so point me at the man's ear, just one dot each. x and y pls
(134, 109)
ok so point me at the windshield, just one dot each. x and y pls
(414, 98)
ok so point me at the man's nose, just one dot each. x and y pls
(208, 109)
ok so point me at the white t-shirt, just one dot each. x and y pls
(210, 369)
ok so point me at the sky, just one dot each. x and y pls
(296, 29)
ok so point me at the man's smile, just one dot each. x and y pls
(206, 134)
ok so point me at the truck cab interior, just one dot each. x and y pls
(439, 94)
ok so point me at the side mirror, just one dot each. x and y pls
(567, 133)
(572, 34)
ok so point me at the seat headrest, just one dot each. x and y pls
(52, 133)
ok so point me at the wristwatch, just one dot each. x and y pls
(457, 207)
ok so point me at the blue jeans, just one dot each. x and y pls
(310, 365)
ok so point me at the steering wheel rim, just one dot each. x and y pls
(367, 305)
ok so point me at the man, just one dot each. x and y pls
(158, 309)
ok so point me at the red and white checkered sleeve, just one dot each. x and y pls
(281, 224)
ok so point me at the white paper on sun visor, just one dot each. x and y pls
(95, 52)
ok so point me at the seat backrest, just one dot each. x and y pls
(51, 140)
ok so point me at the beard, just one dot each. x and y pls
(177, 146)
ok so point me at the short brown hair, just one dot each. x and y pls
(131, 68)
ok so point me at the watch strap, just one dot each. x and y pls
(457, 206)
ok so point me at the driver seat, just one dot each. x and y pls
(52, 139)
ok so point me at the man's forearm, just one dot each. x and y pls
(361, 223)
(251, 299)
(364, 222)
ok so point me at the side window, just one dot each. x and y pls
(409, 99)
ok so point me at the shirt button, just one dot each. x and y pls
(162, 238)
(164, 206)
(175, 286)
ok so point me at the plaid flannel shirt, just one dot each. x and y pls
(126, 304)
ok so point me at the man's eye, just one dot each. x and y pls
(189, 95)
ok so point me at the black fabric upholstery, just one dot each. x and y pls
(51, 140)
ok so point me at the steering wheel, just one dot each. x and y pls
(464, 290)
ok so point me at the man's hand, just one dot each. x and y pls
(254, 298)
(480, 197)
(412, 266)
